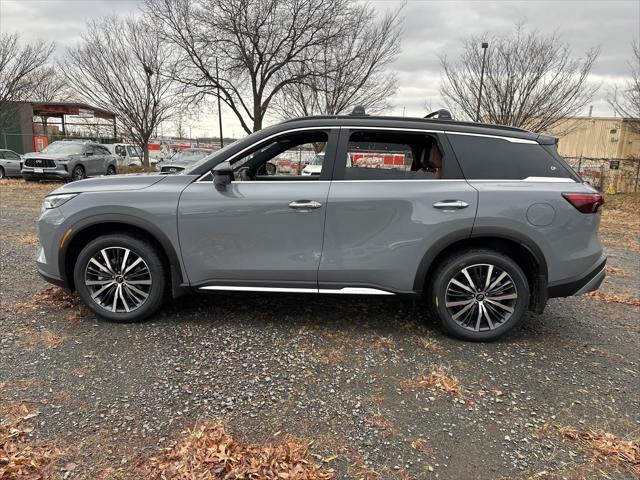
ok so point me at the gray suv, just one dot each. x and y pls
(69, 160)
(484, 221)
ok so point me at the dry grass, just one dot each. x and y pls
(432, 345)
(620, 223)
(50, 297)
(420, 445)
(20, 457)
(31, 338)
(209, 452)
(12, 185)
(332, 356)
(134, 169)
(382, 423)
(610, 298)
(383, 345)
(438, 379)
(617, 272)
(604, 447)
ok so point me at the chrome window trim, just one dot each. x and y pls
(418, 180)
(500, 137)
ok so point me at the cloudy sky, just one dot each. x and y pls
(431, 28)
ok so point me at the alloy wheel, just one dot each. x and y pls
(118, 279)
(78, 173)
(481, 297)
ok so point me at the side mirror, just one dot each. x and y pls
(222, 175)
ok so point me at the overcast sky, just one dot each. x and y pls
(431, 28)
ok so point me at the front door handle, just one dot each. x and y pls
(305, 205)
(450, 205)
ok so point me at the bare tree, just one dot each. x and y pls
(350, 69)
(261, 46)
(120, 65)
(530, 80)
(625, 101)
(19, 71)
(50, 86)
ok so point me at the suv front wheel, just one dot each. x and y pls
(120, 277)
(479, 294)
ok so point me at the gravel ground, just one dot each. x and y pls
(322, 369)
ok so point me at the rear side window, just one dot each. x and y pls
(485, 158)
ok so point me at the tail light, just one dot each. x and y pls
(585, 202)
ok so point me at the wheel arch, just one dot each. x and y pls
(85, 231)
(527, 255)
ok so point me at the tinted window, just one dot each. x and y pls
(484, 158)
(102, 151)
(385, 155)
(11, 155)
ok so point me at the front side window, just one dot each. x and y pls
(296, 156)
(387, 155)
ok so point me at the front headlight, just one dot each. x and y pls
(54, 201)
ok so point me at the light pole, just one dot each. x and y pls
(485, 45)
(219, 107)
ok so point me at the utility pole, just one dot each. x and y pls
(219, 107)
(485, 45)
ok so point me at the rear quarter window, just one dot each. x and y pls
(485, 158)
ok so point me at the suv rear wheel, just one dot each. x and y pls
(479, 294)
(120, 277)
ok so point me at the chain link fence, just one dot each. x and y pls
(609, 175)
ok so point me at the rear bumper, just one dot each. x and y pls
(587, 283)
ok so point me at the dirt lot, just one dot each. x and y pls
(324, 387)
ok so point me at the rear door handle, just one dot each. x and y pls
(450, 205)
(305, 205)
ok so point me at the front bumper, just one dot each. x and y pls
(59, 172)
(49, 277)
(587, 283)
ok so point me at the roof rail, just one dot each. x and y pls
(441, 121)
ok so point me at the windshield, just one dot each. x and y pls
(189, 155)
(63, 147)
(134, 151)
(317, 160)
(206, 158)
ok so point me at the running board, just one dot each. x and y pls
(343, 291)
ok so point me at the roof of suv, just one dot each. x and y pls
(420, 123)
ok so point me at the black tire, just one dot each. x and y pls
(478, 261)
(142, 249)
(78, 173)
(111, 170)
(1, 172)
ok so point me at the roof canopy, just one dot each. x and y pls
(59, 109)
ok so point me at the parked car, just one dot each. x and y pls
(127, 155)
(181, 160)
(69, 160)
(484, 222)
(10, 163)
(314, 167)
